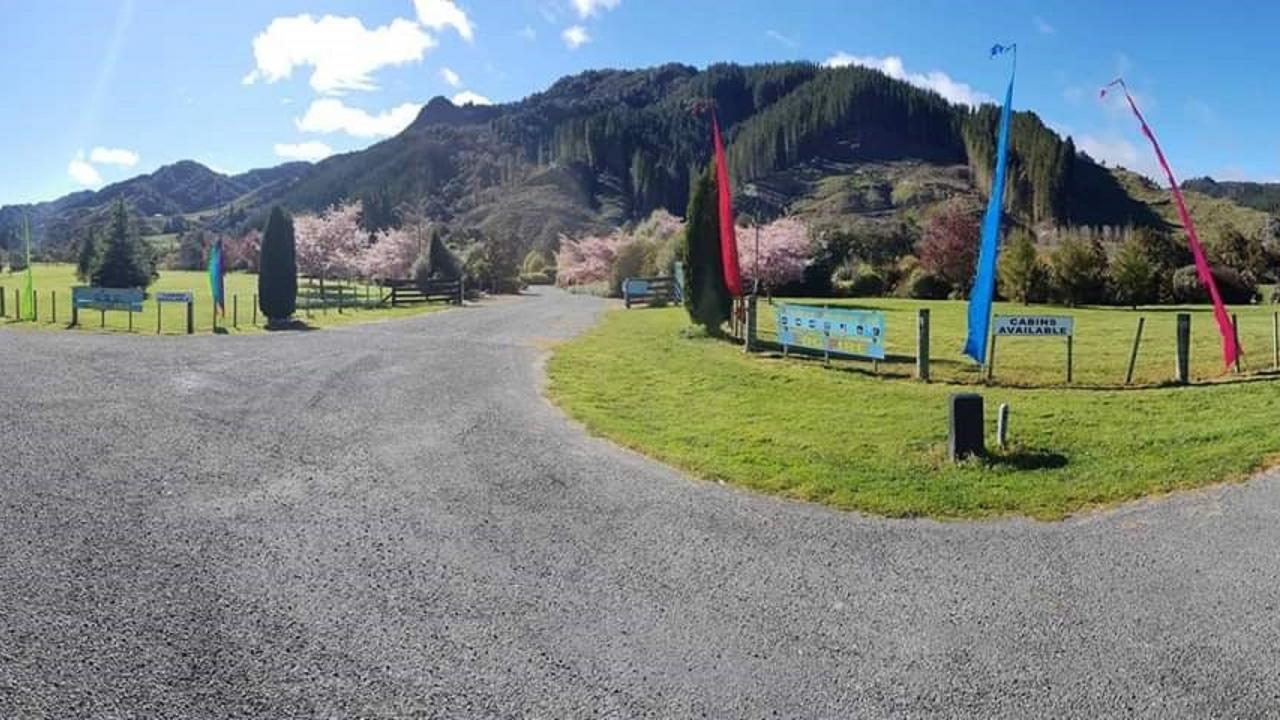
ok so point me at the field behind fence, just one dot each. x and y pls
(339, 302)
(1102, 343)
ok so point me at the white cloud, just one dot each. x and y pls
(780, 38)
(937, 81)
(341, 50)
(450, 77)
(575, 37)
(587, 8)
(528, 33)
(330, 115)
(440, 14)
(309, 151)
(466, 97)
(113, 156)
(84, 173)
(1044, 27)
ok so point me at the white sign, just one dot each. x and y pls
(1034, 325)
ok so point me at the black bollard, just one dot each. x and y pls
(965, 435)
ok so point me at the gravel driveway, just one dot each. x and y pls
(387, 520)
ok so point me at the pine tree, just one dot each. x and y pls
(1021, 271)
(126, 262)
(1079, 270)
(1133, 275)
(442, 263)
(87, 255)
(706, 297)
(278, 269)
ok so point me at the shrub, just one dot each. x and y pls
(1234, 287)
(924, 285)
(856, 280)
(634, 259)
(546, 277)
(278, 269)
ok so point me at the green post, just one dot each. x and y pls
(235, 311)
(130, 318)
(2, 312)
(158, 306)
(191, 317)
(255, 309)
(17, 305)
(35, 307)
(53, 302)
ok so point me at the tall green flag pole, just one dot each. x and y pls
(29, 291)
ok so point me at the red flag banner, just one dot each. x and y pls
(728, 243)
(1230, 345)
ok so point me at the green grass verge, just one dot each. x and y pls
(852, 440)
(1103, 340)
(58, 279)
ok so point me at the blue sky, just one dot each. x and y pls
(101, 90)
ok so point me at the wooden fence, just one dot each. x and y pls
(408, 292)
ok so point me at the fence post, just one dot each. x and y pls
(1182, 360)
(17, 305)
(130, 318)
(1275, 341)
(462, 293)
(75, 310)
(1133, 354)
(750, 334)
(255, 309)
(1235, 335)
(235, 310)
(191, 317)
(53, 301)
(2, 312)
(1070, 348)
(158, 306)
(339, 299)
(35, 307)
(922, 344)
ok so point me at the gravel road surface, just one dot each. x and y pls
(388, 520)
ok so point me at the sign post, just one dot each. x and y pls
(831, 331)
(103, 299)
(1036, 326)
(184, 298)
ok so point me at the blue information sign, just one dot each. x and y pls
(93, 298)
(837, 331)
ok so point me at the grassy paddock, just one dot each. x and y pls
(853, 440)
(315, 311)
(1103, 340)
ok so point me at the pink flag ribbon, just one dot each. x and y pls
(728, 243)
(1230, 345)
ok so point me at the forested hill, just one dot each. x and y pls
(607, 147)
(1256, 195)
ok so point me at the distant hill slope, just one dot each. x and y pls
(606, 147)
(1256, 195)
(1212, 212)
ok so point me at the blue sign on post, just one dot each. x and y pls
(835, 331)
(93, 298)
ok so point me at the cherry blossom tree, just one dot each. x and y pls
(331, 243)
(588, 259)
(785, 252)
(241, 253)
(949, 245)
(391, 256)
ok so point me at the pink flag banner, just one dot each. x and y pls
(1230, 345)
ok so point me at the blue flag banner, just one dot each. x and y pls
(984, 282)
(215, 277)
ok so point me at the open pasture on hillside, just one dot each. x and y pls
(359, 303)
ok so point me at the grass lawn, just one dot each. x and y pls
(1103, 341)
(844, 437)
(60, 278)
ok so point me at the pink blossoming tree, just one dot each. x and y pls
(391, 256)
(329, 245)
(588, 259)
(785, 252)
